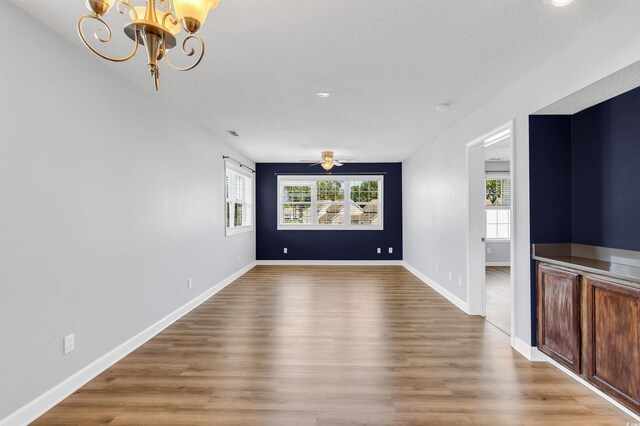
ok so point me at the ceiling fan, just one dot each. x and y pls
(328, 161)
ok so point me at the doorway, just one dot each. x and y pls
(490, 240)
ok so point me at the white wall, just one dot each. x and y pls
(434, 178)
(109, 203)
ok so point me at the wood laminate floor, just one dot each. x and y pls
(498, 297)
(288, 345)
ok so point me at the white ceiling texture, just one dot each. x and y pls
(386, 63)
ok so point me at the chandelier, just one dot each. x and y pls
(154, 28)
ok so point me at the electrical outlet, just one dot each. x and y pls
(459, 281)
(450, 276)
(69, 344)
(285, 250)
(437, 269)
(189, 283)
(390, 250)
(488, 250)
(379, 250)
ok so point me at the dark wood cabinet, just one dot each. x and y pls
(559, 315)
(612, 348)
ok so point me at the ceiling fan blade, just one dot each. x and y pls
(308, 161)
(337, 163)
(347, 161)
(316, 163)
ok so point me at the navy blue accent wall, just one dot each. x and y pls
(606, 173)
(549, 187)
(550, 178)
(584, 175)
(327, 245)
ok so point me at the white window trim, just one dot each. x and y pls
(304, 179)
(233, 230)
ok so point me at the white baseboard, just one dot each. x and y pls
(533, 354)
(529, 352)
(53, 396)
(330, 262)
(597, 391)
(497, 264)
(437, 287)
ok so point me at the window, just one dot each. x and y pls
(330, 202)
(498, 208)
(238, 199)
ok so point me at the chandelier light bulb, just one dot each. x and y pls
(192, 12)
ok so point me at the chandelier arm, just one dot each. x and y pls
(104, 40)
(166, 4)
(187, 53)
(171, 17)
(126, 4)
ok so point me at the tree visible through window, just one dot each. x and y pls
(365, 196)
(330, 202)
(498, 208)
(297, 204)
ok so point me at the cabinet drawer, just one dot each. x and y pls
(559, 315)
(613, 340)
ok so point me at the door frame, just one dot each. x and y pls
(476, 250)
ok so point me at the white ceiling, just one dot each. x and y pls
(611, 86)
(385, 63)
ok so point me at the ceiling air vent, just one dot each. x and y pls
(233, 133)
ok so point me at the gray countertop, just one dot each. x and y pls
(614, 263)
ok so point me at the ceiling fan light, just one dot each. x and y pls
(327, 165)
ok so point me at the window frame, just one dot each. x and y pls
(248, 205)
(497, 176)
(311, 180)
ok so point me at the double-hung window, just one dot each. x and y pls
(238, 199)
(498, 207)
(330, 202)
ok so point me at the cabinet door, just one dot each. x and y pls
(613, 340)
(559, 315)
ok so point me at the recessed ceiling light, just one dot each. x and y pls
(558, 3)
(443, 107)
(324, 94)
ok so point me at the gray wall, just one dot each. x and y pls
(109, 203)
(435, 177)
(498, 252)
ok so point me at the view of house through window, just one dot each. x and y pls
(309, 202)
(498, 208)
(238, 199)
